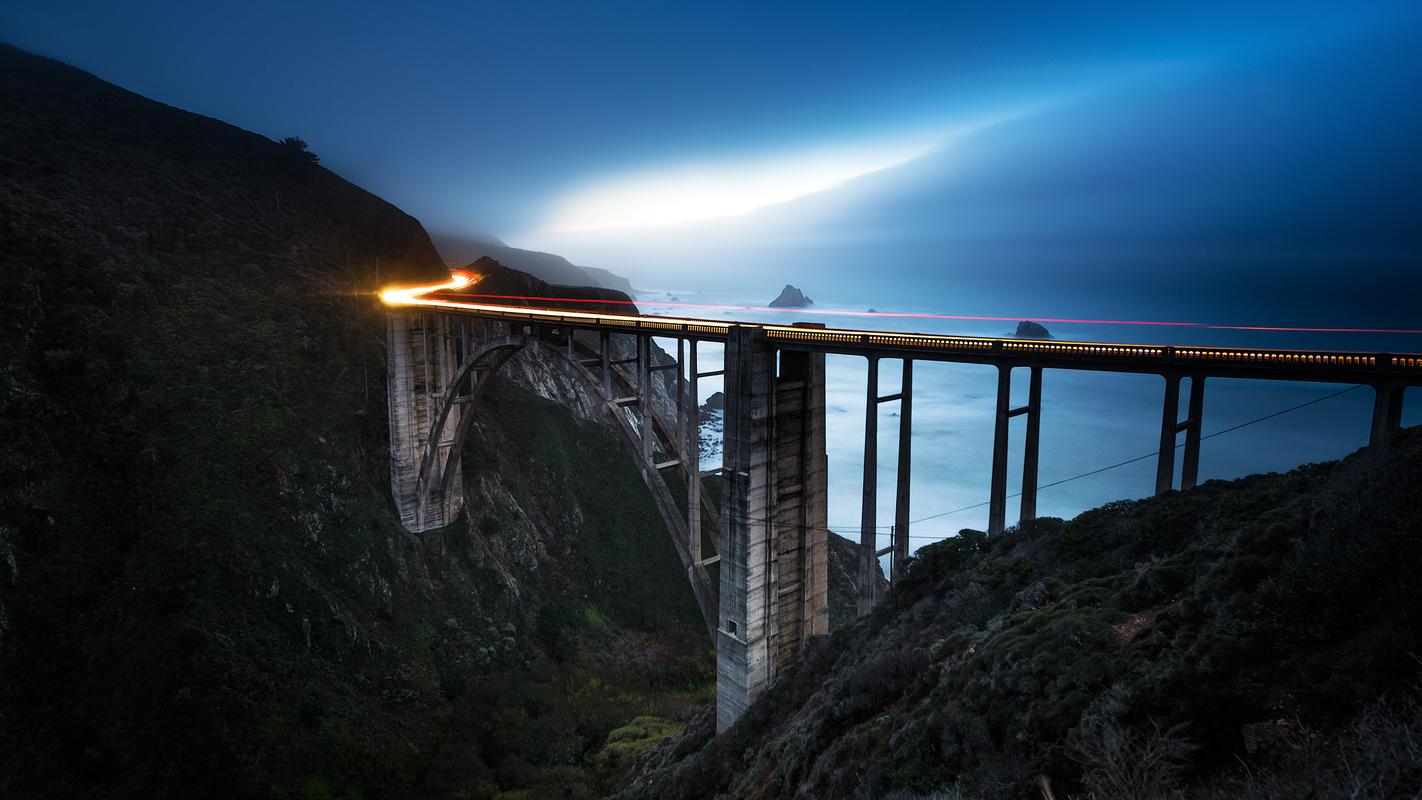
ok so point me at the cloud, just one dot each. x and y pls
(730, 187)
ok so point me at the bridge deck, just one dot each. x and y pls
(1238, 362)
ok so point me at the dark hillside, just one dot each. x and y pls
(544, 266)
(500, 280)
(1257, 638)
(203, 589)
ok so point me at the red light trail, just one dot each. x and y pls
(957, 317)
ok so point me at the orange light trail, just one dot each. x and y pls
(420, 296)
(415, 295)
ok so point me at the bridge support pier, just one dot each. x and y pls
(692, 444)
(1190, 467)
(422, 358)
(869, 506)
(997, 494)
(1387, 412)
(774, 592)
(898, 549)
(1170, 429)
(1032, 446)
(899, 535)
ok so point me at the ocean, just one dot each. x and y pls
(1089, 420)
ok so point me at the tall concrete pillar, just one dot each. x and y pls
(997, 490)
(422, 359)
(1032, 446)
(905, 474)
(774, 583)
(1169, 427)
(1387, 413)
(869, 507)
(693, 454)
(1190, 466)
(798, 563)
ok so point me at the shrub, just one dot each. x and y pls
(1121, 764)
(297, 150)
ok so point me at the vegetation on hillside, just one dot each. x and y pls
(1253, 638)
(203, 588)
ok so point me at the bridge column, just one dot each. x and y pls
(774, 583)
(1034, 437)
(997, 493)
(679, 387)
(1387, 412)
(869, 508)
(900, 533)
(1169, 426)
(605, 344)
(693, 454)
(644, 396)
(1190, 466)
(422, 359)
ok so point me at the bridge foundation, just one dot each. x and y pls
(423, 357)
(774, 592)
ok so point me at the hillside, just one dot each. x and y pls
(203, 589)
(1258, 638)
(458, 250)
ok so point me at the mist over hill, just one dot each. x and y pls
(459, 250)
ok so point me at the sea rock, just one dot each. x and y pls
(716, 402)
(790, 297)
(1027, 329)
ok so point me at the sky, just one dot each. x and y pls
(631, 133)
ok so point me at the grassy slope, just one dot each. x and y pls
(1263, 615)
(202, 589)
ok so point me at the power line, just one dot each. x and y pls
(1098, 471)
(1230, 429)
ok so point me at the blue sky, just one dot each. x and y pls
(1258, 140)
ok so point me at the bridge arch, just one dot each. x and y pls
(454, 362)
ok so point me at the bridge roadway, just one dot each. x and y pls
(1327, 366)
(770, 530)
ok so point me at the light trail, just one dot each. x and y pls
(415, 295)
(421, 296)
(956, 317)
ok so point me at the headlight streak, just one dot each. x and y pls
(415, 295)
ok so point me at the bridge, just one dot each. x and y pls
(769, 530)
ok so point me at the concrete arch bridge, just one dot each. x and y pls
(770, 529)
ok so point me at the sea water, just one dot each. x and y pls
(1089, 420)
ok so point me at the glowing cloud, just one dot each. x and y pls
(711, 189)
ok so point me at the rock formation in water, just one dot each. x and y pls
(1026, 329)
(790, 297)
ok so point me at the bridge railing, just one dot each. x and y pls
(1066, 351)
